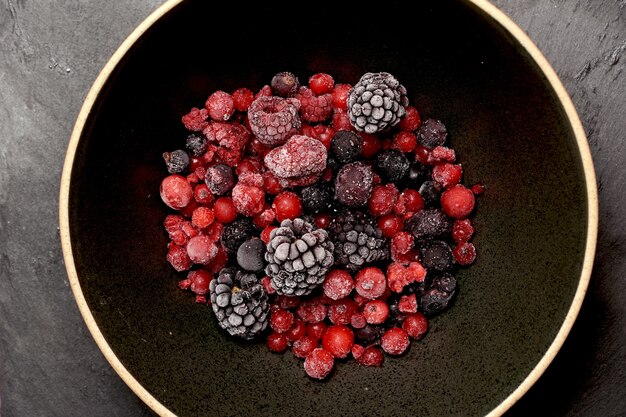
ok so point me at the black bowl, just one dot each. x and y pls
(510, 120)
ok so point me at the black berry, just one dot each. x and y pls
(220, 179)
(176, 161)
(391, 165)
(197, 144)
(346, 146)
(432, 133)
(251, 255)
(285, 84)
(316, 198)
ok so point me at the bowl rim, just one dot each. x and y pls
(483, 6)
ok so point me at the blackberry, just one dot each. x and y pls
(437, 255)
(239, 302)
(377, 101)
(357, 240)
(391, 165)
(316, 198)
(346, 146)
(285, 84)
(176, 161)
(354, 183)
(429, 223)
(430, 192)
(220, 179)
(251, 255)
(438, 296)
(197, 144)
(298, 256)
(236, 233)
(431, 133)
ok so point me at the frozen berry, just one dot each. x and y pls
(391, 165)
(321, 83)
(370, 282)
(235, 233)
(175, 191)
(411, 120)
(176, 161)
(265, 234)
(285, 84)
(199, 281)
(358, 321)
(346, 146)
(429, 223)
(300, 157)
(395, 341)
(281, 320)
(314, 108)
(177, 257)
(196, 119)
(447, 174)
(437, 256)
(404, 142)
(316, 330)
(270, 184)
(399, 276)
(376, 311)
(202, 194)
(338, 284)
(297, 330)
(371, 356)
(382, 199)
(220, 179)
(202, 217)
(369, 334)
(441, 154)
(462, 230)
(340, 96)
(316, 198)
(201, 249)
(413, 201)
(338, 340)
(434, 300)
(251, 255)
(457, 201)
(401, 244)
(318, 363)
(311, 311)
(415, 325)
(224, 210)
(242, 98)
(371, 145)
(287, 205)
(432, 133)
(220, 106)
(303, 346)
(353, 184)
(407, 304)
(430, 192)
(390, 224)
(341, 311)
(274, 119)
(248, 199)
(197, 144)
(341, 121)
(464, 253)
(277, 342)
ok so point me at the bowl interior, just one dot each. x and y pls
(458, 65)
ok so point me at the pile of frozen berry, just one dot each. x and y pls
(325, 218)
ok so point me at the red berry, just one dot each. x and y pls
(311, 311)
(172, 223)
(176, 192)
(196, 119)
(316, 330)
(415, 325)
(478, 189)
(319, 363)
(322, 220)
(413, 200)
(358, 321)
(462, 230)
(242, 98)
(382, 199)
(265, 91)
(457, 201)
(338, 340)
(404, 141)
(411, 120)
(464, 253)
(407, 304)
(224, 210)
(390, 224)
(395, 341)
(371, 145)
(219, 262)
(202, 217)
(264, 218)
(202, 194)
(201, 249)
(287, 205)
(271, 184)
(281, 320)
(251, 165)
(341, 311)
(447, 174)
(177, 257)
(370, 282)
(297, 330)
(248, 199)
(303, 346)
(376, 312)
(441, 154)
(287, 302)
(371, 356)
(357, 351)
(340, 96)
(422, 154)
(277, 342)
(401, 244)
(267, 285)
(265, 234)
(199, 281)
(220, 106)
(341, 121)
(338, 284)
(399, 276)
(321, 83)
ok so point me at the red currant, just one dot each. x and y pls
(457, 201)
(376, 312)
(176, 192)
(340, 96)
(338, 340)
(281, 320)
(277, 342)
(224, 210)
(318, 363)
(395, 341)
(287, 205)
(415, 325)
(370, 282)
(303, 346)
(321, 83)
(411, 120)
(390, 224)
(338, 284)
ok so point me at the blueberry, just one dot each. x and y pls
(285, 84)
(437, 256)
(346, 146)
(369, 334)
(220, 179)
(197, 144)
(429, 223)
(391, 165)
(176, 161)
(434, 301)
(251, 255)
(431, 133)
(416, 174)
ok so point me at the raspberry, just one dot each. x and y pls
(303, 346)
(395, 341)
(202, 217)
(316, 330)
(285, 84)
(415, 325)
(441, 154)
(319, 363)
(464, 253)
(447, 174)
(248, 200)
(404, 141)
(232, 139)
(314, 108)
(371, 356)
(199, 281)
(340, 95)
(188, 229)
(407, 304)
(175, 191)
(311, 311)
(457, 201)
(274, 119)
(242, 98)
(201, 249)
(287, 205)
(297, 330)
(411, 120)
(400, 276)
(220, 106)
(376, 312)
(338, 284)
(401, 245)
(172, 223)
(382, 199)
(281, 321)
(196, 119)
(338, 340)
(321, 83)
(341, 311)
(177, 257)
(390, 224)
(267, 285)
(224, 210)
(370, 282)
(277, 342)
(462, 230)
(300, 157)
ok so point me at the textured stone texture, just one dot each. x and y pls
(52, 50)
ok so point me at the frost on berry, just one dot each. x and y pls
(301, 160)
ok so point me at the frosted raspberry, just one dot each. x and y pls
(298, 181)
(274, 119)
(314, 108)
(177, 256)
(248, 199)
(196, 119)
(301, 156)
(251, 178)
(232, 139)
(399, 276)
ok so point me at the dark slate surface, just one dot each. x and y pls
(50, 53)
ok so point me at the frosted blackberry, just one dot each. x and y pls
(298, 256)
(376, 102)
(346, 146)
(176, 161)
(392, 165)
(236, 233)
(429, 223)
(239, 302)
(431, 133)
(316, 198)
(197, 144)
(357, 240)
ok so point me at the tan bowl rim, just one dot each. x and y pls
(493, 12)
